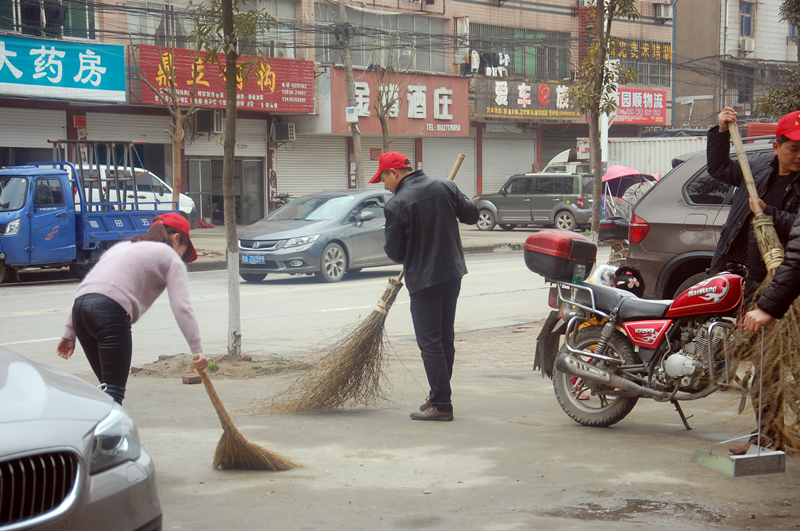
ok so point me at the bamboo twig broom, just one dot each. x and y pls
(233, 450)
(782, 339)
(352, 372)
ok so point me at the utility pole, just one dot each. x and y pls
(344, 39)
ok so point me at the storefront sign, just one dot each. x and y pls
(645, 51)
(274, 85)
(422, 105)
(61, 70)
(641, 106)
(524, 99)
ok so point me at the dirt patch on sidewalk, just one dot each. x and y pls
(243, 367)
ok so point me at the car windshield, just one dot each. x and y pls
(13, 191)
(313, 208)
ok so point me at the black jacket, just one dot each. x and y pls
(785, 285)
(722, 168)
(422, 231)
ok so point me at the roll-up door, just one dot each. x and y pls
(555, 143)
(439, 155)
(401, 145)
(31, 128)
(133, 127)
(251, 141)
(504, 156)
(312, 164)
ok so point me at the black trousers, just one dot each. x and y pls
(103, 328)
(433, 311)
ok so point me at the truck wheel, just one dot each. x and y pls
(565, 220)
(253, 277)
(588, 403)
(485, 220)
(81, 270)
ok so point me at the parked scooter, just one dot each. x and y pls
(618, 348)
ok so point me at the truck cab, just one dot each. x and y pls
(41, 227)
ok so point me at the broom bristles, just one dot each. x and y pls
(233, 450)
(352, 371)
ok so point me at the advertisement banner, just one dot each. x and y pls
(524, 99)
(274, 85)
(641, 106)
(43, 68)
(423, 105)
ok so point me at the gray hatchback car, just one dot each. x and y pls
(562, 200)
(327, 234)
(675, 227)
(70, 457)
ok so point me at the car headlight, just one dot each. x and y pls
(115, 441)
(294, 242)
(12, 228)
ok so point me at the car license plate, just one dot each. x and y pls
(252, 259)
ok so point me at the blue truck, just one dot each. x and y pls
(47, 222)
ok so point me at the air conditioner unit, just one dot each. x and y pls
(283, 132)
(218, 126)
(747, 45)
(584, 3)
(664, 11)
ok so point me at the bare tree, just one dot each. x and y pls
(389, 74)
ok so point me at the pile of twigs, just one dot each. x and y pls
(350, 373)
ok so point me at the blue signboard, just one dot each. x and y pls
(61, 69)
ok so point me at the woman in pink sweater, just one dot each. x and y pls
(120, 288)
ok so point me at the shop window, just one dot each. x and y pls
(157, 23)
(746, 12)
(49, 18)
(532, 54)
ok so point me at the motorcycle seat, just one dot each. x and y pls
(605, 298)
(635, 309)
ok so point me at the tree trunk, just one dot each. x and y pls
(177, 162)
(385, 130)
(229, 199)
(351, 94)
(595, 154)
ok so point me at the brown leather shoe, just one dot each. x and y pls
(432, 414)
(426, 405)
(740, 449)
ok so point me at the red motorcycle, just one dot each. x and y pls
(617, 347)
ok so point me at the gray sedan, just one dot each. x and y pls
(327, 234)
(70, 457)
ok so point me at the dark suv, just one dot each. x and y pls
(675, 227)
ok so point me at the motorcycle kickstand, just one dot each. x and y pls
(684, 418)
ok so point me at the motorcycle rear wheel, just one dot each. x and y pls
(599, 408)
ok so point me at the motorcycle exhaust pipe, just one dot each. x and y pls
(573, 365)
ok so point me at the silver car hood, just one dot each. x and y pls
(31, 392)
(282, 229)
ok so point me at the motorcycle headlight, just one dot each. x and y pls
(12, 228)
(294, 242)
(115, 441)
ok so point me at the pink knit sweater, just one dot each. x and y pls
(134, 274)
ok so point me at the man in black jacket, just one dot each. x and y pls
(778, 186)
(422, 234)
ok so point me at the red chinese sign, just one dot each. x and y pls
(423, 105)
(641, 106)
(274, 85)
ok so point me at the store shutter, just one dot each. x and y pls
(251, 141)
(31, 128)
(134, 127)
(401, 145)
(504, 156)
(312, 164)
(439, 155)
(555, 143)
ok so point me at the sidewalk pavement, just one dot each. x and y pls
(210, 243)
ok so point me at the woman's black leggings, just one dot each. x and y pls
(103, 328)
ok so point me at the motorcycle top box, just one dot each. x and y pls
(556, 254)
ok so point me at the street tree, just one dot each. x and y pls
(222, 28)
(595, 92)
(390, 72)
(784, 97)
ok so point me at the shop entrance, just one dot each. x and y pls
(205, 188)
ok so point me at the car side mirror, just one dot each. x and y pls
(366, 215)
(503, 191)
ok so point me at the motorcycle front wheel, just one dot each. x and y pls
(598, 407)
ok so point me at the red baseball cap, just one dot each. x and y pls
(789, 126)
(177, 222)
(391, 160)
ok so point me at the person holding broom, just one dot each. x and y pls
(121, 288)
(778, 185)
(422, 234)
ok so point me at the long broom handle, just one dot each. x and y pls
(745, 165)
(451, 177)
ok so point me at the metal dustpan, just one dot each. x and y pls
(757, 460)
